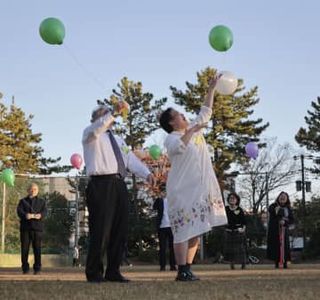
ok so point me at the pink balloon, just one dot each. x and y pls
(76, 160)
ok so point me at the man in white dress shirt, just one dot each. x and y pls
(106, 158)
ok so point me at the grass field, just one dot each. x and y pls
(217, 282)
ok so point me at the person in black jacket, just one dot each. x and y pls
(235, 237)
(164, 232)
(280, 217)
(31, 211)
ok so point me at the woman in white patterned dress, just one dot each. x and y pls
(193, 192)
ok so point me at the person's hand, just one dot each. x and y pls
(29, 216)
(121, 107)
(277, 208)
(213, 81)
(282, 222)
(37, 216)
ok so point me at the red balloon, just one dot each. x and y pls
(76, 160)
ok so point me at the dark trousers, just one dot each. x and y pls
(166, 239)
(28, 237)
(107, 200)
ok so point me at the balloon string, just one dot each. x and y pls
(224, 58)
(85, 70)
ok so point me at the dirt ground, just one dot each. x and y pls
(217, 282)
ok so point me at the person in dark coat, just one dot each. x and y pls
(280, 217)
(31, 211)
(164, 232)
(235, 237)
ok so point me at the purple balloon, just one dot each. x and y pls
(252, 150)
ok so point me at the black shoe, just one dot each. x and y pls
(232, 266)
(173, 268)
(36, 272)
(25, 272)
(192, 277)
(276, 265)
(96, 280)
(243, 266)
(285, 265)
(183, 276)
(117, 277)
(162, 269)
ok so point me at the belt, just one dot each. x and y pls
(106, 176)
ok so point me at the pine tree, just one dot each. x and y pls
(19, 145)
(310, 137)
(231, 128)
(58, 224)
(20, 150)
(142, 117)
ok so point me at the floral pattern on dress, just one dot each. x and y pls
(201, 210)
(198, 140)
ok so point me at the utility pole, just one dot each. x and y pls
(303, 188)
(3, 232)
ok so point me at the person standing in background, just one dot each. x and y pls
(31, 210)
(280, 217)
(164, 231)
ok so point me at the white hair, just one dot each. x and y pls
(97, 110)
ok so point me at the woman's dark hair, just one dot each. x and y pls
(164, 120)
(288, 203)
(236, 196)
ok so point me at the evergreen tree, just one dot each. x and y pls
(141, 120)
(310, 137)
(13, 195)
(311, 225)
(19, 145)
(20, 150)
(231, 128)
(58, 223)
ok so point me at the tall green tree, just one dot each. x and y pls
(140, 123)
(20, 150)
(20, 147)
(142, 117)
(311, 225)
(58, 224)
(309, 137)
(231, 127)
(13, 195)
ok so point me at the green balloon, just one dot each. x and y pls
(221, 38)
(8, 177)
(155, 151)
(52, 31)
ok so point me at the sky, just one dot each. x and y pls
(160, 43)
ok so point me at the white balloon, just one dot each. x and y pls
(227, 83)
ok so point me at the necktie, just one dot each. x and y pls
(117, 152)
